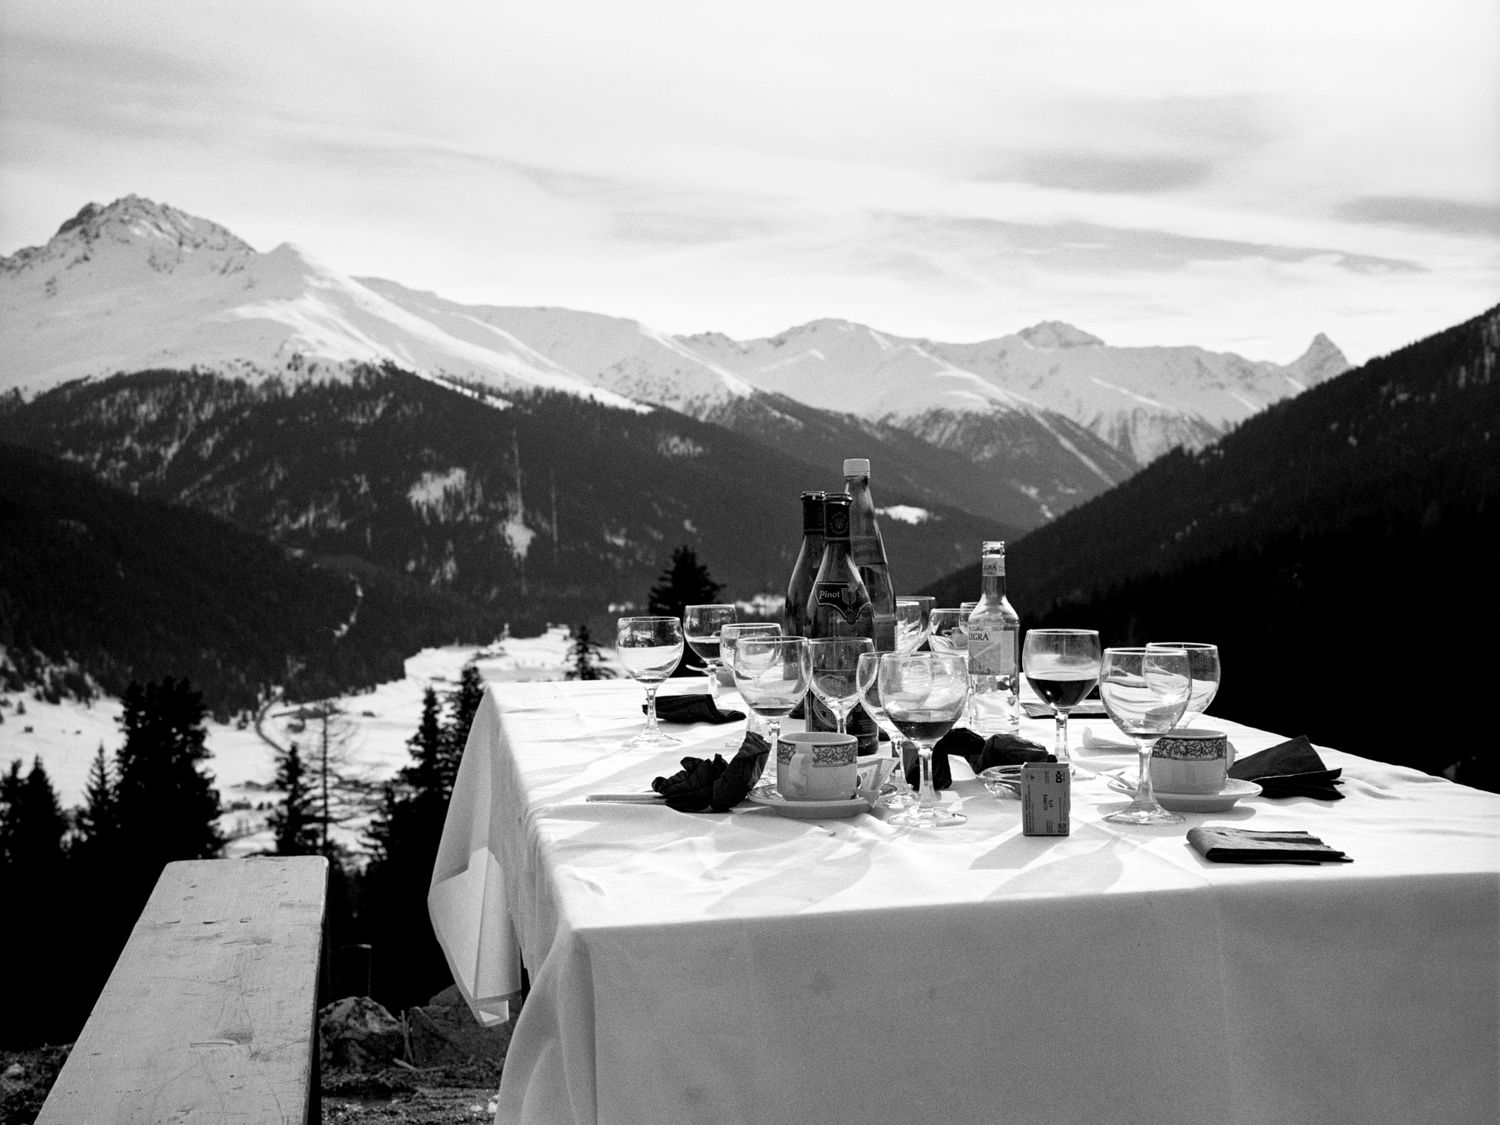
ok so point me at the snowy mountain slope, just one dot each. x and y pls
(137, 285)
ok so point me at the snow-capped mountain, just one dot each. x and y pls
(139, 285)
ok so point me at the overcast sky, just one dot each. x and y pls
(1239, 176)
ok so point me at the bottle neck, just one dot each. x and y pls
(992, 577)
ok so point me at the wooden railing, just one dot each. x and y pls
(210, 1014)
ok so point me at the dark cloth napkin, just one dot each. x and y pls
(701, 708)
(714, 784)
(1241, 845)
(1289, 769)
(981, 753)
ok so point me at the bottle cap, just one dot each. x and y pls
(856, 466)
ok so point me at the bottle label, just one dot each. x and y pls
(992, 566)
(843, 600)
(991, 651)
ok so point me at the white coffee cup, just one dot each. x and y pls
(816, 765)
(1191, 761)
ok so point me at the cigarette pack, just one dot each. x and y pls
(1046, 789)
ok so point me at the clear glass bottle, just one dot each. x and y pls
(994, 650)
(840, 607)
(868, 551)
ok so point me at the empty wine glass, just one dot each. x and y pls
(913, 617)
(650, 648)
(948, 631)
(727, 638)
(701, 625)
(867, 675)
(1145, 692)
(1203, 658)
(923, 694)
(772, 674)
(1062, 666)
(834, 662)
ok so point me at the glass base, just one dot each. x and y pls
(1139, 813)
(648, 739)
(918, 817)
(897, 799)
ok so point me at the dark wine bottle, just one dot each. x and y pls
(867, 548)
(840, 607)
(804, 570)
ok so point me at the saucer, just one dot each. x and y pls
(1234, 790)
(766, 796)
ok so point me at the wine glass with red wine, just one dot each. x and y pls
(1062, 666)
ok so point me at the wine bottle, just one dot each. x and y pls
(868, 550)
(994, 650)
(804, 570)
(839, 606)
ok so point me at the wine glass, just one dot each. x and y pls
(701, 625)
(1145, 692)
(772, 675)
(727, 638)
(948, 631)
(650, 648)
(867, 675)
(1204, 661)
(923, 694)
(1062, 666)
(913, 617)
(834, 660)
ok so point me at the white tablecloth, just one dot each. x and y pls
(747, 967)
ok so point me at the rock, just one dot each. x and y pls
(358, 1034)
(445, 1033)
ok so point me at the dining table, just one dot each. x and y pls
(752, 966)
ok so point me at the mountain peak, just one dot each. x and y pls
(133, 217)
(1056, 334)
(1321, 362)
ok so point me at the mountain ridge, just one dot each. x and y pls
(194, 295)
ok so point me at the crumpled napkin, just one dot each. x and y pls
(700, 708)
(714, 784)
(1289, 769)
(981, 753)
(1241, 845)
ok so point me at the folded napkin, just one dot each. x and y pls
(700, 708)
(716, 785)
(1289, 769)
(981, 753)
(1241, 845)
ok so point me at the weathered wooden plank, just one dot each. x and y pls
(210, 1013)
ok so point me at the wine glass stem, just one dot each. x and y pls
(1143, 794)
(926, 792)
(713, 677)
(773, 739)
(1062, 737)
(652, 730)
(840, 717)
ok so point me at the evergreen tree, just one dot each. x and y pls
(96, 822)
(11, 787)
(294, 824)
(463, 705)
(36, 821)
(586, 657)
(428, 748)
(167, 806)
(685, 582)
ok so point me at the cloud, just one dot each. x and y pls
(1109, 174)
(1447, 216)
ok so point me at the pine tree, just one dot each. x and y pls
(463, 705)
(96, 822)
(685, 582)
(294, 824)
(586, 657)
(427, 748)
(168, 808)
(32, 822)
